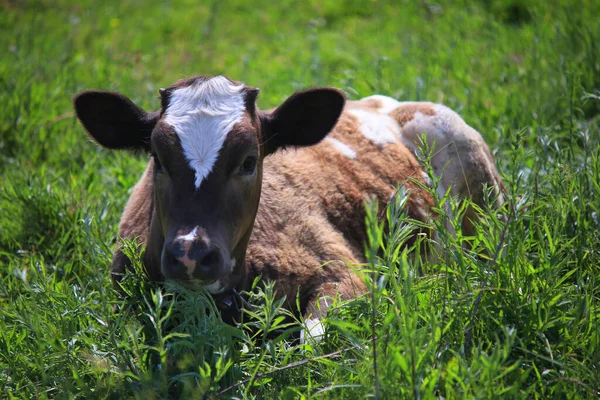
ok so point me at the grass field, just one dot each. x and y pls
(523, 321)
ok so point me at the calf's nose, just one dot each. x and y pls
(188, 257)
(208, 261)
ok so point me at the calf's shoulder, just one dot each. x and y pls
(135, 220)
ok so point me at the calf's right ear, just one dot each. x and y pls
(114, 121)
(304, 119)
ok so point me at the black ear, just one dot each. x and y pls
(114, 121)
(304, 119)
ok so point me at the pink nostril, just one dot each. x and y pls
(181, 250)
(187, 261)
(186, 246)
(193, 256)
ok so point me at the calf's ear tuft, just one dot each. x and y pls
(114, 121)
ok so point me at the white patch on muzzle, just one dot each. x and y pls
(202, 115)
(190, 237)
(187, 241)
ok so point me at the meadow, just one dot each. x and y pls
(517, 316)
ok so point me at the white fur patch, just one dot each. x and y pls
(342, 147)
(447, 130)
(315, 330)
(202, 115)
(379, 129)
(387, 103)
(426, 178)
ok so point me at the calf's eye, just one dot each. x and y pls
(248, 167)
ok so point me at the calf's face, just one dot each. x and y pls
(208, 143)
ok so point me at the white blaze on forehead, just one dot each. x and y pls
(202, 115)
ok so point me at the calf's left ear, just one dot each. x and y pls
(304, 119)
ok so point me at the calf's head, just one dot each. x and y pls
(208, 143)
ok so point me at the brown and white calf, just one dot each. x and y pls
(220, 204)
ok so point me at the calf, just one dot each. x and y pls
(220, 204)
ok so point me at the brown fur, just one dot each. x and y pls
(407, 113)
(310, 223)
(368, 103)
(309, 230)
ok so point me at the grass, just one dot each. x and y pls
(516, 317)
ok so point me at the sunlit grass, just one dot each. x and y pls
(513, 314)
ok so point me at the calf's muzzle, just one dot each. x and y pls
(192, 257)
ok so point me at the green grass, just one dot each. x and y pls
(517, 317)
